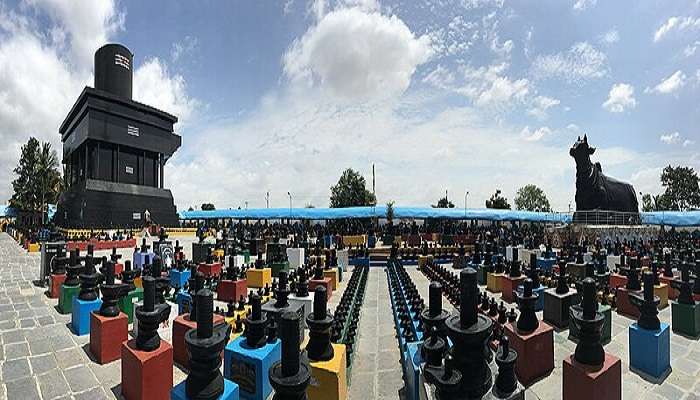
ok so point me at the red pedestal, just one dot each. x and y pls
(584, 382)
(508, 285)
(535, 351)
(617, 280)
(672, 293)
(147, 374)
(325, 282)
(210, 269)
(118, 268)
(624, 306)
(181, 325)
(106, 336)
(55, 282)
(231, 290)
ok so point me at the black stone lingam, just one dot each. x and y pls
(668, 268)
(73, 269)
(302, 286)
(435, 316)
(255, 324)
(562, 285)
(89, 279)
(128, 274)
(196, 287)
(282, 291)
(527, 322)
(112, 292)
(684, 287)
(514, 269)
(633, 283)
(149, 316)
(506, 382)
(291, 375)
(114, 257)
(647, 304)
(589, 322)
(696, 278)
(205, 344)
(319, 322)
(534, 272)
(447, 380)
(469, 332)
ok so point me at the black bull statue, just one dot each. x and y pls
(595, 191)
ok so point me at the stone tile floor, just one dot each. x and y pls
(40, 358)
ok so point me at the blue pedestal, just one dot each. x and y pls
(650, 351)
(140, 258)
(328, 241)
(539, 305)
(411, 370)
(231, 391)
(546, 264)
(371, 241)
(179, 278)
(80, 315)
(360, 262)
(249, 368)
(184, 301)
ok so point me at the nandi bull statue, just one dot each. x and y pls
(595, 191)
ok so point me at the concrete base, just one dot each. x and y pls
(328, 378)
(650, 351)
(576, 271)
(685, 319)
(305, 302)
(556, 307)
(106, 336)
(535, 351)
(147, 375)
(295, 257)
(584, 382)
(249, 368)
(80, 315)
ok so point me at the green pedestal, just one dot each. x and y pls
(126, 303)
(65, 298)
(606, 335)
(246, 255)
(481, 274)
(277, 267)
(685, 319)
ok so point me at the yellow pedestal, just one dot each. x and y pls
(329, 377)
(354, 240)
(333, 274)
(422, 260)
(218, 253)
(33, 247)
(661, 290)
(257, 278)
(138, 282)
(312, 260)
(493, 282)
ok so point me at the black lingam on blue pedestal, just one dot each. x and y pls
(255, 324)
(291, 375)
(149, 316)
(469, 332)
(73, 269)
(112, 292)
(506, 382)
(319, 322)
(89, 278)
(205, 344)
(647, 304)
(527, 322)
(589, 322)
(435, 316)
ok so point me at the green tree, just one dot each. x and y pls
(351, 191)
(209, 207)
(531, 198)
(443, 203)
(497, 201)
(682, 189)
(38, 181)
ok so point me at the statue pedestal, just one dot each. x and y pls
(332, 274)
(672, 293)
(556, 307)
(508, 286)
(546, 264)
(208, 270)
(361, 261)
(200, 251)
(685, 319)
(181, 325)
(616, 280)
(624, 306)
(539, 305)
(140, 258)
(55, 283)
(585, 382)
(576, 271)
(106, 336)
(326, 282)
(126, 303)
(276, 313)
(231, 391)
(80, 315)
(305, 302)
(277, 267)
(231, 290)
(249, 368)
(535, 351)
(606, 333)
(494, 282)
(147, 375)
(179, 278)
(118, 269)
(650, 351)
(184, 302)
(329, 380)
(661, 290)
(295, 256)
(423, 260)
(413, 377)
(480, 274)
(258, 278)
(65, 298)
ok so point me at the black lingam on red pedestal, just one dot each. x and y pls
(112, 292)
(149, 316)
(527, 322)
(291, 375)
(589, 322)
(319, 322)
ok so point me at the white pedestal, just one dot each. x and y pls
(612, 261)
(343, 259)
(295, 256)
(238, 261)
(306, 302)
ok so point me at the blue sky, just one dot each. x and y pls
(457, 95)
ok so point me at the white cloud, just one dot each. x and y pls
(581, 5)
(440, 77)
(490, 88)
(690, 49)
(378, 55)
(186, 46)
(540, 105)
(582, 62)
(621, 97)
(676, 24)
(610, 37)
(669, 85)
(670, 138)
(688, 142)
(536, 135)
(156, 86)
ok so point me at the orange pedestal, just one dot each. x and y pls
(617, 280)
(210, 269)
(325, 282)
(624, 306)
(584, 382)
(106, 336)
(147, 374)
(672, 293)
(55, 282)
(508, 285)
(181, 325)
(535, 351)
